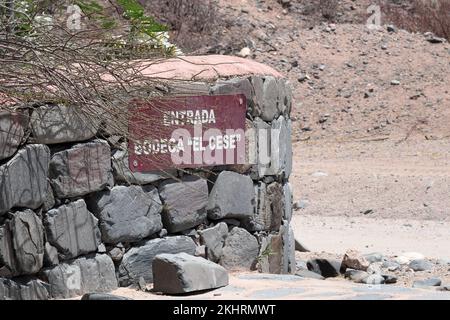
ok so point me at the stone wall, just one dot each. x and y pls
(74, 219)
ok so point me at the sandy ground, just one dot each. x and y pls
(250, 286)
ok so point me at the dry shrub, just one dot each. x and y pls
(419, 15)
(189, 20)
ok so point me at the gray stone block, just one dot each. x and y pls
(234, 86)
(23, 179)
(50, 255)
(288, 201)
(7, 260)
(52, 124)
(232, 196)
(49, 201)
(214, 239)
(183, 273)
(127, 214)
(184, 203)
(82, 169)
(103, 296)
(271, 254)
(12, 129)
(122, 172)
(137, 261)
(72, 229)
(27, 235)
(240, 250)
(271, 95)
(270, 207)
(83, 275)
(25, 290)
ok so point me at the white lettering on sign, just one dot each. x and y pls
(193, 117)
(163, 146)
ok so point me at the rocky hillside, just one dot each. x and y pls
(350, 83)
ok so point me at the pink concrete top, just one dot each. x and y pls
(206, 68)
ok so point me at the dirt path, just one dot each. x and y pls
(374, 196)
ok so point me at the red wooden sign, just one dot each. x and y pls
(187, 132)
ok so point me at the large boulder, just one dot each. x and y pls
(51, 124)
(137, 262)
(72, 229)
(82, 169)
(184, 203)
(12, 129)
(214, 239)
(232, 196)
(183, 273)
(32, 289)
(127, 214)
(240, 250)
(23, 179)
(83, 275)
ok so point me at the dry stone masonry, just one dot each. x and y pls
(75, 219)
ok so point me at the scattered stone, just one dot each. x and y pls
(240, 250)
(51, 124)
(356, 276)
(374, 279)
(82, 169)
(391, 265)
(391, 28)
(374, 268)
(325, 267)
(232, 196)
(102, 296)
(421, 265)
(395, 82)
(245, 52)
(83, 275)
(73, 230)
(183, 273)
(389, 279)
(430, 282)
(432, 38)
(137, 261)
(185, 203)
(413, 256)
(354, 260)
(127, 214)
(309, 274)
(214, 239)
(23, 179)
(374, 257)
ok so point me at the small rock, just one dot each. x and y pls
(301, 204)
(309, 274)
(374, 257)
(391, 28)
(389, 279)
(183, 273)
(395, 82)
(318, 174)
(301, 265)
(325, 267)
(354, 260)
(102, 296)
(300, 247)
(390, 265)
(430, 282)
(356, 276)
(303, 77)
(421, 265)
(374, 268)
(200, 251)
(245, 52)
(374, 279)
